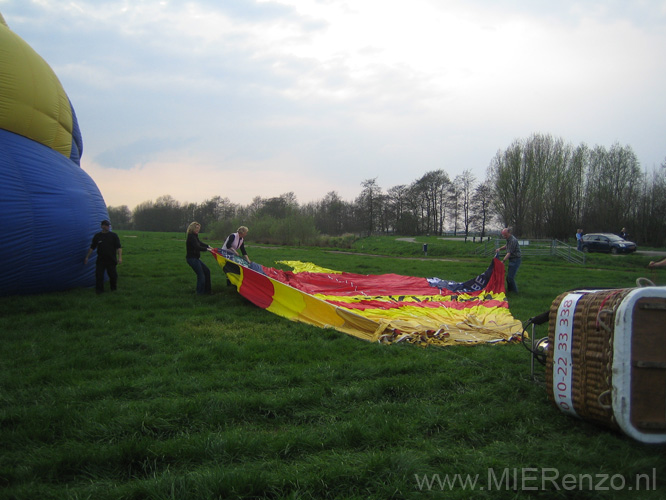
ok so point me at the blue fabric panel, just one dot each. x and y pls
(49, 211)
(77, 140)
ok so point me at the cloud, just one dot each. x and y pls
(330, 93)
(197, 182)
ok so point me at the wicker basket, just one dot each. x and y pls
(606, 360)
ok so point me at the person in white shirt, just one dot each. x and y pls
(235, 243)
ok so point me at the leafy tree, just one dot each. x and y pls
(212, 210)
(331, 215)
(165, 214)
(278, 207)
(120, 217)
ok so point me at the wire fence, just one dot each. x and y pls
(530, 248)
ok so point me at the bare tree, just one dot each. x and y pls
(369, 206)
(430, 194)
(511, 179)
(398, 208)
(332, 214)
(612, 183)
(649, 222)
(481, 209)
(465, 186)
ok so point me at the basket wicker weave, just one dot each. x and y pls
(591, 354)
(606, 361)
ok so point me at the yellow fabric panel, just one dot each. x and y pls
(319, 312)
(358, 326)
(291, 303)
(287, 302)
(33, 103)
(300, 267)
(449, 320)
(462, 297)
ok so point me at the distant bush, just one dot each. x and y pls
(342, 241)
(295, 230)
(219, 230)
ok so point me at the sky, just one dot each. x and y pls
(245, 98)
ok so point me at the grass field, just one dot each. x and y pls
(154, 393)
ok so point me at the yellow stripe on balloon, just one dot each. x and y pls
(33, 102)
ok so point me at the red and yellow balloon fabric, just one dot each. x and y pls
(385, 308)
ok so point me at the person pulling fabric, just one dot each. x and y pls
(235, 242)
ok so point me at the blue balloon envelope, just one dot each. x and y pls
(50, 208)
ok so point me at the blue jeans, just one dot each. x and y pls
(203, 275)
(511, 286)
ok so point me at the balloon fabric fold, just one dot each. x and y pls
(386, 308)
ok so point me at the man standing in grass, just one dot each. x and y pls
(513, 254)
(109, 255)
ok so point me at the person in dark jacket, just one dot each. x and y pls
(109, 255)
(194, 249)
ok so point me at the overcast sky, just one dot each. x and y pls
(245, 98)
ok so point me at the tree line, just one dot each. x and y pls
(541, 186)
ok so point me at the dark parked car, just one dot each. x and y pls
(607, 242)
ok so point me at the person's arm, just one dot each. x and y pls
(503, 247)
(90, 251)
(93, 246)
(119, 250)
(244, 252)
(200, 244)
(660, 263)
(509, 250)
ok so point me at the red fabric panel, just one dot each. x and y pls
(350, 284)
(257, 288)
(496, 283)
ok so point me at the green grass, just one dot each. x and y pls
(154, 393)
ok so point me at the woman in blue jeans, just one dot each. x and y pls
(194, 248)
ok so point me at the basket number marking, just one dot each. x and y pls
(562, 360)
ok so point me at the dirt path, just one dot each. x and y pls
(392, 256)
